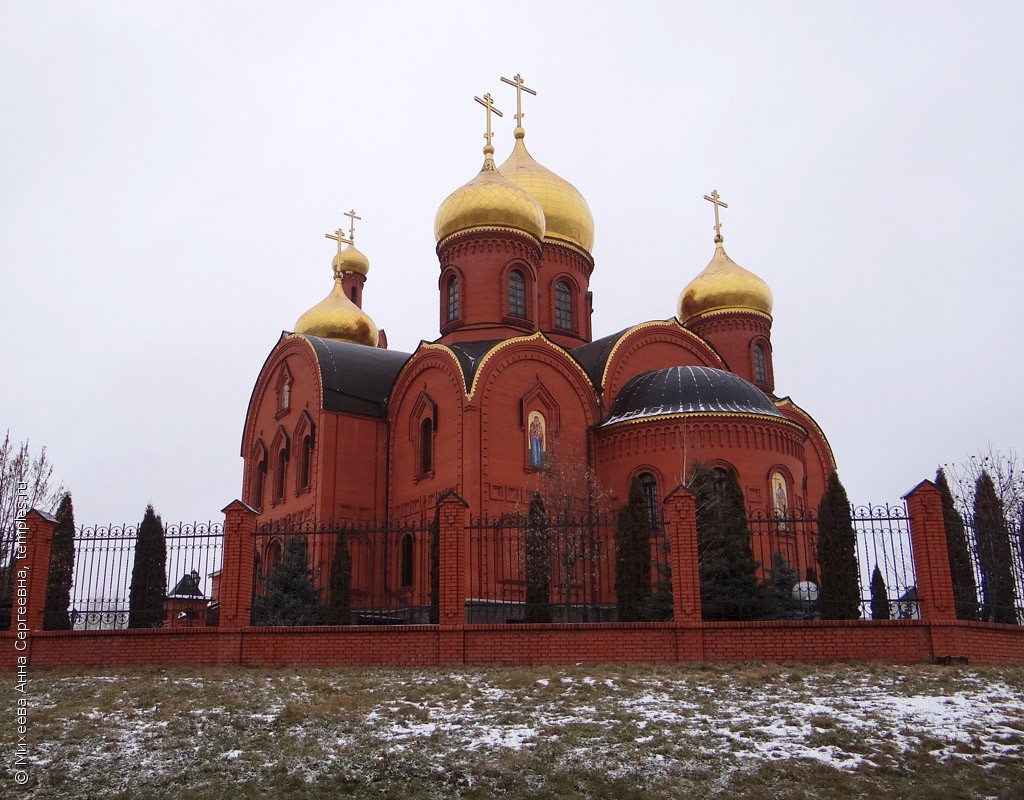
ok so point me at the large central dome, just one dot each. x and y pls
(490, 200)
(688, 390)
(566, 213)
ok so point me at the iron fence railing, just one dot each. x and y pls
(991, 589)
(344, 574)
(787, 552)
(101, 586)
(565, 571)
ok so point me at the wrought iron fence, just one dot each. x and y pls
(990, 588)
(101, 588)
(344, 574)
(789, 565)
(563, 571)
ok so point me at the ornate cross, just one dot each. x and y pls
(352, 217)
(716, 200)
(517, 81)
(339, 237)
(488, 103)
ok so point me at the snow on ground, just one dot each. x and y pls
(632, 724)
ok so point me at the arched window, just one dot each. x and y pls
(279, 477)
(650, 486)
(426, 446)
(407, 562)
(305, 465)
(516, 294)
(259, 480)
(453, 298)
(563, 306)
(760, 368)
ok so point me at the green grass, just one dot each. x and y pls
(702, 731)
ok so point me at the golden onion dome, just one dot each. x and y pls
(490, 200)
(566, 213)
(351, 260)
(337, 317)
(722, 285)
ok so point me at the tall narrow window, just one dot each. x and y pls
(516, 294)
(279, 477)
(305, 465)
(563, 306)
(453, 298)
(426, 446)
(258, 483)
(407, 553)
(650, 486)
(760, 370)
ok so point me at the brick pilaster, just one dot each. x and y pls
(237, 572)
(931, 568)
(34, 559)
(453, 535)
(681, 520)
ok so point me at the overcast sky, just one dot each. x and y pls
(168, 171)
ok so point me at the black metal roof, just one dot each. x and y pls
(469, 356)
(593, 356)
(688, 390)
(355, 377)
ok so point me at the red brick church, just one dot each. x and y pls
(341, 428)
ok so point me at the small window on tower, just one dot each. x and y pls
(453, 298)
(516, 294)
(563, 306)
(279, 475)
(760, 369)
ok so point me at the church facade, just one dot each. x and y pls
(341, 428)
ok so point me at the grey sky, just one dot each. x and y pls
(168, 170)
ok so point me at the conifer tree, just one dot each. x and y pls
(538, 563)
(781, 582)
(994, 554)
(729, 589)
(290, 594)
(879, 596)
(633, 557)
(837, 554)
(62, 564)
(340, 585)
(149, 574)
(961, 571)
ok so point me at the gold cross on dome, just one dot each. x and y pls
(339, 237)
(517, 81)
(352, 217)
(716, 200)
(488, 103)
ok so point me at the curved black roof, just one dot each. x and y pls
(688, 390)
(593, 356)
(355, 377)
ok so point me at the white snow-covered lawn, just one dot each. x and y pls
(648, 726)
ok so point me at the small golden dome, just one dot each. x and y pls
(566, 213)
(723, 284)
(351, 260)
(337, 317)
(490, 200)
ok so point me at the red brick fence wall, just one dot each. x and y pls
(937, 635)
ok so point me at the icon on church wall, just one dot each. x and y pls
(536, 430)
(780, 499)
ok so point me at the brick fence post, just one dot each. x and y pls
(237, 572)
(931, 569)
(453, 535)
(681, 523)
(34, 559)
